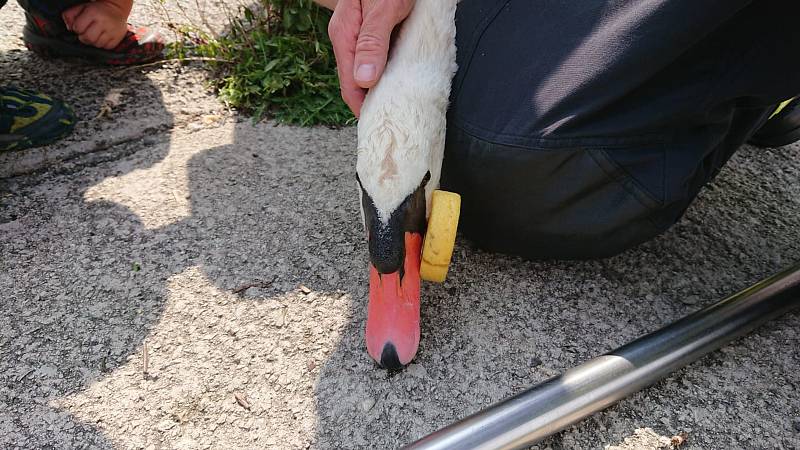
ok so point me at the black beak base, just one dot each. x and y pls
(387, 241)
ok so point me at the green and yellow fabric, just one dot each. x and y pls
(30, 119)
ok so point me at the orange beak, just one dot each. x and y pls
(393, 312)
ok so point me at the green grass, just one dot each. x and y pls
(275, 60)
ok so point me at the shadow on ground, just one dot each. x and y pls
(57, 327)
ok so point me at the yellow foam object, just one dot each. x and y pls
(441, 236)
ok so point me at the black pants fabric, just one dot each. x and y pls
(52, 9)
(582, 129)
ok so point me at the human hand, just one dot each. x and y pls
(360, 31)
(101, 23)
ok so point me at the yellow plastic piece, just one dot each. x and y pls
(441, 236)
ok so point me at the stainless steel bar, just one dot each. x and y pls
(561, 401)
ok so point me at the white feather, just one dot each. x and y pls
(401, 130)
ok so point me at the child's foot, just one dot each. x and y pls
(49, 36)
(30, 119)
(101, 23)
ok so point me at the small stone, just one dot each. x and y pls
(690, 300)
(246, 425)
(797, 424)
(417, 371)
(367, 404)
(536, 362)
(242, 400)
(679, 439)
(165, 425)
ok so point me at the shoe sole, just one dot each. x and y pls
(56, 48)
(777, 141)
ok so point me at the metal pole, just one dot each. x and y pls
(561, 401)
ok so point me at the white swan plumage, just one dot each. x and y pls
(401, 129)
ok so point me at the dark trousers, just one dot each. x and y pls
(582, 129)
(51, 9)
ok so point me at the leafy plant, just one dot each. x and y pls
(275, 59)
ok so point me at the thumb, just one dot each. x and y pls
(372, 46)
(71, 14)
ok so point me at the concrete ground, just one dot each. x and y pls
(132, 244)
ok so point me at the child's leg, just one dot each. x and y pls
(46, 14)
(100, 23)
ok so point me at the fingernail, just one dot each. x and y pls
(365, 72)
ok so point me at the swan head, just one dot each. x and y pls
(401, 135)
(400, 151)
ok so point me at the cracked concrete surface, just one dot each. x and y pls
(136, 231)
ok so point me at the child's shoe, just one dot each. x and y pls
(31, 119)
(47, 35)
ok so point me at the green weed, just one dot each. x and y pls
(275, 60)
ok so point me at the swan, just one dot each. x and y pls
(401, 134)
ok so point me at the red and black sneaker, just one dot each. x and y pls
(50, 37)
